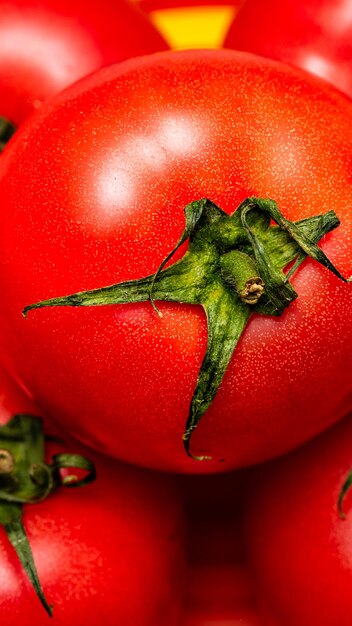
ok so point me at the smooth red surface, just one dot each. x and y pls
(109, 552)
(315, 35)
(13, 398)
(93, 192)
(113, 550)
(45, 45)
(300, 550)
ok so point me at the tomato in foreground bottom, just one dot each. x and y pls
(299, 546)
(111, 551)
(93, 193)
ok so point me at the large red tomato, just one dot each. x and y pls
(298, 545)
(315, 35)
(46, 45)
(93, 192)
(112, 551)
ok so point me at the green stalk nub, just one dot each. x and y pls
(240, 271)
(234, 267)
(7, 129)
(25, 478)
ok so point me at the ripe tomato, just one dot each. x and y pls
(45, 45)
(298, 545)
(93, 192)
(112, 551)
(315, 35)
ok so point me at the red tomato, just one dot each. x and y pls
(112, 551)
(93, 192)
(45, 45)
(315, 35)
(299, 547)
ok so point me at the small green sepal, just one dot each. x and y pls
(7, 129)
(344, 489)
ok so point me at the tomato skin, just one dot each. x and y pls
(93, 192)
(299, 548)
(315, 35)
(94, 550)
(45, 45)
(113, 550)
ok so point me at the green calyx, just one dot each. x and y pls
(342, 495)
(233, 268)
(7, 129)
(25, 478)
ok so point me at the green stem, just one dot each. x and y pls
(7, 130)
(234, 267)
(19, 540)
(227, 317)
(344, 490)
(239, 270)
(26, 479)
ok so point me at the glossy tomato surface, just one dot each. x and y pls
(299, 548)
(45, 45)
(93, 546)
(315, 35)
(112, 551)
(93, 192)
